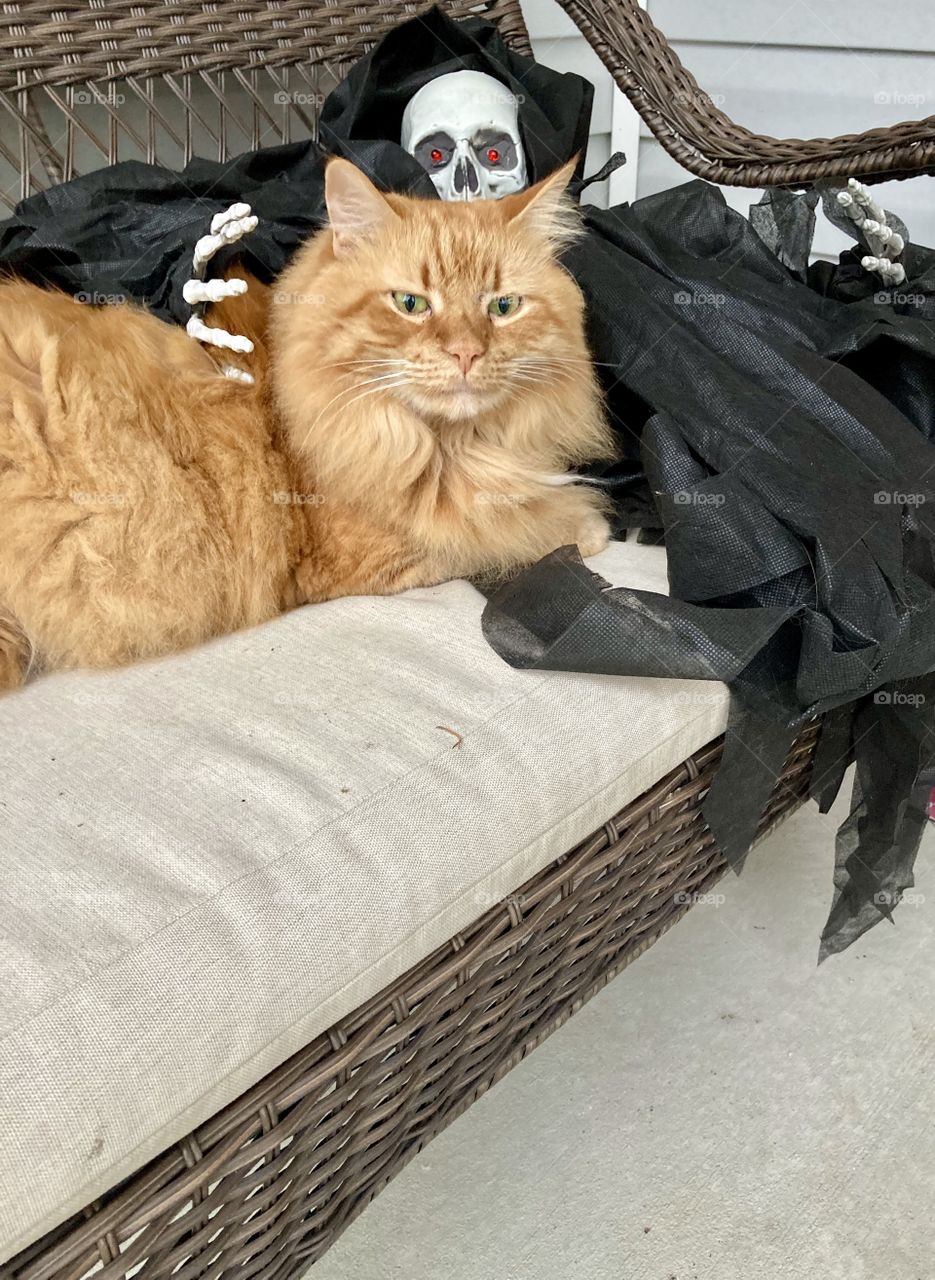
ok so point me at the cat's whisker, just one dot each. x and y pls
(334, 364)
(609, 364)
(552, 370)
(532, 361)
(383, 379)
(525, 385)
(373, 391)
(363, 395)
(548, 393)
(544, 364)
(538, 383)
(536, 376)
(389, 370)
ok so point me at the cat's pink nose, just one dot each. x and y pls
(465, 352)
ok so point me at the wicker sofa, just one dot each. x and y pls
(463, 853)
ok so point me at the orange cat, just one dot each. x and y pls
(422, 387)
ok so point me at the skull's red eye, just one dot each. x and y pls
(493, 155)
(436, 155)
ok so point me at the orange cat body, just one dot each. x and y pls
(148, 503)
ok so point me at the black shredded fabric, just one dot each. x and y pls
(774, 419)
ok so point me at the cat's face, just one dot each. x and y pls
(450, 308)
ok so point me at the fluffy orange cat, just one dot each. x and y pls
(422, 386)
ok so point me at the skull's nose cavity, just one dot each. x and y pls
(465, 177)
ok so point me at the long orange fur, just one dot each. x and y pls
(148, 503)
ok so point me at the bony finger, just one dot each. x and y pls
(195, 291)
(234, 213)
(196, 328)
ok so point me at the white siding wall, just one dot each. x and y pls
(557, 43)
(790, 70)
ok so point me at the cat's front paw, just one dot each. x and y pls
(593, 535)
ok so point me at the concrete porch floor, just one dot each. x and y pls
(723, 1110)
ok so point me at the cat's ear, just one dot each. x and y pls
(546, 210)
(356, 209)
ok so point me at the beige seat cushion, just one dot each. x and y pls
(207, 860)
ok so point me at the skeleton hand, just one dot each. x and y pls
(870, 220)
(226, 228)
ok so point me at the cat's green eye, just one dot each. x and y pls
(504, 306)
(411, 304)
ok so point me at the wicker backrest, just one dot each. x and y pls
(87, 83)
(707, 142)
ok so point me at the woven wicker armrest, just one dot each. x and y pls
(707, 142)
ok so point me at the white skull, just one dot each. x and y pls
(464, 129)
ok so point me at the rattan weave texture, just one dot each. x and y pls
(90, 82)
(267, 1185)
(707, 142)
